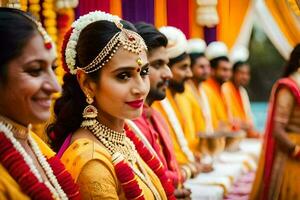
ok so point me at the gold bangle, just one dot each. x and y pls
(188, 171)
(192, 168)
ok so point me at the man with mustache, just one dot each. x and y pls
(221, 72)
(180, 66)
(151, 124)
(236, 96)
(194, 101)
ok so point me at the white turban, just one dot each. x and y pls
(215, 50)
(239, 54)
(177, 43)
(196, 45)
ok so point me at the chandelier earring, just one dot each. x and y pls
(89, 113)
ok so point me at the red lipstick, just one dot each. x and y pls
(136, 104)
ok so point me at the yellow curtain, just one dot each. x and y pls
(286, 19)
(196, 31)
(232, 15)
(160, 13)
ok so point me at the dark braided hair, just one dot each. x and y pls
(294, 62)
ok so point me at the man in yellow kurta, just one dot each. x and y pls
(221, 71)
(193, 102)
(236, 96)
(180, 67)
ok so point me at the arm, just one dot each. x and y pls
(96, 181)
(283, 108)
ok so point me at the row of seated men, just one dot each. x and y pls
(194, 90)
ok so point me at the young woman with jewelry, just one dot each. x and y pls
(106, 82)
(28, 167)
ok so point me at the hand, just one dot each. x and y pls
(182, 194)
(198, 168)
(207, 168)
(197, 156)
(184, 175)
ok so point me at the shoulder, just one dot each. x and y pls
(284, 97)
(83, 150)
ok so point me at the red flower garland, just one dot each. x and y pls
(63, 49)
(153, 162)
(128, 181)
(16, 166)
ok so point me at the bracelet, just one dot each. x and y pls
(187, 171)
(193, 169)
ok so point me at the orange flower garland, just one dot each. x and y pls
(49, 18)
(34, 8)
(24, 5)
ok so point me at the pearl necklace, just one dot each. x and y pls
(53, 185)
(116, 142)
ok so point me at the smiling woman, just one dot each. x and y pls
(27, 82)
(106, 82)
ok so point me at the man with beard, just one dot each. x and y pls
(151, 124)
(180, 67)
(221, 72)
(236, 96)
(193, 102)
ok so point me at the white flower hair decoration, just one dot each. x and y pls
(77, 27)
(129, 40)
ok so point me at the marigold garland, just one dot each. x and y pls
(49, 18)
(34, 8)
(24, 5)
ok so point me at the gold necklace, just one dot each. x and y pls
(116, 142)
(112, 140)
(19, 131)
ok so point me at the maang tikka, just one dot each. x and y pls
(89, 113)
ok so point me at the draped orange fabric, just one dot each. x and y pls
(196, 31)
(160, 13)
(192, 112)
(116, 7)
(233, 101)
(216, 101)
(286, 20)
(231, 14)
